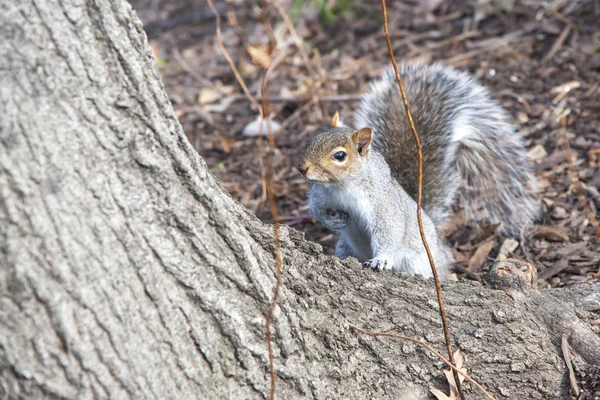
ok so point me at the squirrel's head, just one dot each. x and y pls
(334, 155)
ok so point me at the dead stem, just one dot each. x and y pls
(268, 177)
(230, 61)
(563, 19)
(431, 349)
(274, 213)
(295, 38)
(438, 286)
(566, 350)
(267, 25)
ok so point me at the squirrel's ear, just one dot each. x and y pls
(336, 120)
(362, 139)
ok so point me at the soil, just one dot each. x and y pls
(540, 60)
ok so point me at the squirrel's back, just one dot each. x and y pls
(468, 144)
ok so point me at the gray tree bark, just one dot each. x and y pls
(127, 271)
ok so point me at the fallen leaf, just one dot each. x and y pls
(260, 56)
(452, 224)
(246, 68)
(522, 118)
(571, 248)
(508, 246)
(544, 183)
(552, 233)
(480, 255)
(559, 266)
(225, 143)
(207, 96)
(538, 152)
(459, 361)
(485, 232)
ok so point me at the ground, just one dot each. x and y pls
(541, 61)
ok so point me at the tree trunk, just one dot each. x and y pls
(127, 271)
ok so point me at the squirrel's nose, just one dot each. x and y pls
(303, 171)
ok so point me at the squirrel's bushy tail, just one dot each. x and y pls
(468, 143)
(498, 185)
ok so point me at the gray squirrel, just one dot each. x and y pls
(364, 181)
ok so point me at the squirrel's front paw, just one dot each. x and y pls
(333, 220)
(378, 263)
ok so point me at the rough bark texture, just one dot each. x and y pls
(126, 271)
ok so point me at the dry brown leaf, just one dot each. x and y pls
(260, 56)
(246, 68)
(538, 152)
(459, 360)
(207, 96)
(508, 246)
(480, 255)
(225, 143)
(522, 117)
(552, 233)
(485, 232)
(452, 224)
(544, 183)
(452, 277)
(592, 155)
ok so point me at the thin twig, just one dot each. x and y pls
(297, 113)
(274, 62)
(438, 286)
(295, 38)
(267, 24)
(576, 183)
(230, 61)
(431, 349)
(186, 67)
(564, 344)
(558, 44)
(564, 19)
(274, 213)
(232, 21)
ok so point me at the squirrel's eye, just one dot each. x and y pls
(340, 155)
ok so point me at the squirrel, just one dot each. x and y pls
(364, 181)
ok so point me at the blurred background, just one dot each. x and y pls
(540, 60)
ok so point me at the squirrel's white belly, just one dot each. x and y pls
(353, 200)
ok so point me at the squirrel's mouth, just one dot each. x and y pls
(321, 182)
(317, 181)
